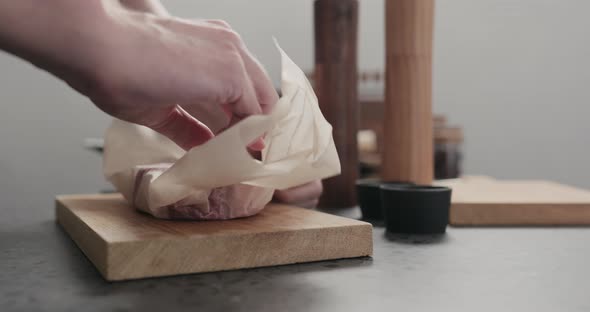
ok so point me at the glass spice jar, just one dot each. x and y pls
(447, 152)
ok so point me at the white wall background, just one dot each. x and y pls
(514, 74)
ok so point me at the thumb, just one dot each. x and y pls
(183, 129)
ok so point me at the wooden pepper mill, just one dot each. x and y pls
(408, 141)
(407, 137)
(335, 82)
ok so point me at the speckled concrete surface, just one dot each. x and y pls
(487, 269)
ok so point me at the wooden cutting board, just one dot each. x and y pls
(126, 244)
(486, 201)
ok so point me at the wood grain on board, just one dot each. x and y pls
(486, 201)
(126, 244)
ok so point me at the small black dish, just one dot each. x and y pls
(369, 196)
(417, 209)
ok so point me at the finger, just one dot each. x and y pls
(246, 100)
(183, 129)
(263, 87)
(256, 93)
(257, 145)
(246, 103)
(300, 194)
(265, 91)
(211, 115)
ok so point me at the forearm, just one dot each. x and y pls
(49, 33)
(138, 64)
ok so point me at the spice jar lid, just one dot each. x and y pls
(369, 196)
(417, 209)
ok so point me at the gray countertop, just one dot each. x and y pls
(468, 269)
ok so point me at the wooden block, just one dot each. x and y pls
(126, 244)
(485, 201)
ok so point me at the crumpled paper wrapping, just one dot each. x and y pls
(219, 179)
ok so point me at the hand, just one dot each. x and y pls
(158, 71)
(306, 195)
(166, 73)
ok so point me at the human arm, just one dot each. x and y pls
(141, 67)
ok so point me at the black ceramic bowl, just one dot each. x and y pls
(417, 209)
(369, 196)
